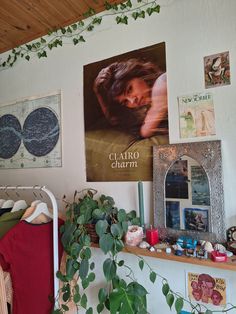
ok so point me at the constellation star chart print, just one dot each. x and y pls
(30, 133)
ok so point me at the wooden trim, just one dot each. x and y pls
(230, 265)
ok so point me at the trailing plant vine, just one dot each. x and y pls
(76, 32)
(120, 293)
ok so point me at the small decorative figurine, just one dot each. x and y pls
(152, 249)
(201, 253)
(217, 256)
(220, 248)
(207, 246)
(187, 243)
(144, 245)
(134, 235)
(191, 252)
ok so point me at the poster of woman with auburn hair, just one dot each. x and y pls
(125, 114)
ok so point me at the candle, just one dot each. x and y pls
(141, 205)
(152, 236)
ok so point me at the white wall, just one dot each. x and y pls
(191, 29)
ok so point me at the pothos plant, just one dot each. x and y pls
(121, 294)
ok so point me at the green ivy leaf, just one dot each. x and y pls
(92, 266)
(98, 213)
(74, 27)
(136, 289)
(85, 283)
(122, 6)
(100, 307)
(87, 253)
(129, 4)
(149, 11)
(142, 14)
(102, 295)
(141, 264)
(91, 277)
(81, 23)
(153, 276)
(116, 230)
(165, 289)
(65, 307)
(27, 57)
(97, 20)
(118, 19)
(75, 249)
(76, 298)
(124, 225)
(84, 301)
(135, 15)
(61, 277)
(121, 263)
(106, 242)
(70, 270)
(101, 227)
(81, 38)
(156, 9)
(66, 296)
(84, 267)
(58, 311)
(75, 41)
(179, 303)
(89, 311)
(109, 269)
(118, 246)
(121, 215)
(170, 299)
(90, 28)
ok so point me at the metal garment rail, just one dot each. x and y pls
(55, 225)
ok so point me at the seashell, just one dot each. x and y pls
(144, 245)
(177, 247)
(207, 246)
(152, 249)
(220, 248)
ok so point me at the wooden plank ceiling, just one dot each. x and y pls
(24, 20)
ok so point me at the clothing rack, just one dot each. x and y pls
(55, 225)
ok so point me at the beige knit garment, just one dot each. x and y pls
(5, 291)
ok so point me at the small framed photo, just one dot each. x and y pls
(217, 70)
(196, 219)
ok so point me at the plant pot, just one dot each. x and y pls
(90, 228)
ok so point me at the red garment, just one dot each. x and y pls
(26, 251)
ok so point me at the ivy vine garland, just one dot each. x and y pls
(75, 32)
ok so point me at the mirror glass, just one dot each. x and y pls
(188, 190)
(187, 196)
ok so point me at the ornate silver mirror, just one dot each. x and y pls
(188, 190)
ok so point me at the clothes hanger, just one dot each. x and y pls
(1, 202)
(41, 208)
(8, 204)
(35, 203)
(21, 204)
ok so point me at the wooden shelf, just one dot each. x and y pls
(229, 265)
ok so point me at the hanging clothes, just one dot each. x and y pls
(5, 210)
(9, 220)
(26, 251)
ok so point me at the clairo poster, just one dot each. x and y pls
(125, 114)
